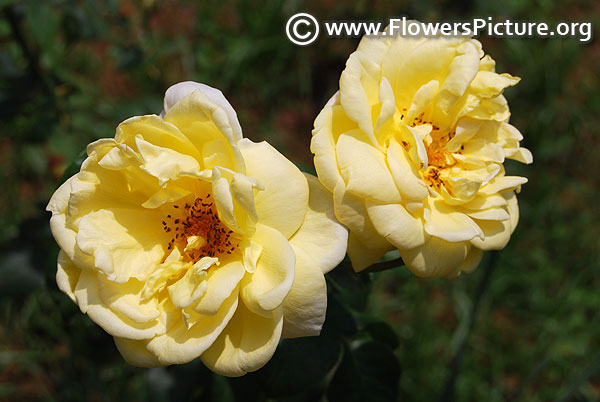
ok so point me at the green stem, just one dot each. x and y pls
(384, 265)
(377, 267)
(449, 392)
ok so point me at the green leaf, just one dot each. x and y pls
(351, 289)
(300, 365)
(43, 22)
(338, 321)
(377, 329)
(368, 371)
(306, 169)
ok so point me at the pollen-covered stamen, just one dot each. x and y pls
(438, 156)
(432, 177)
(197, 230)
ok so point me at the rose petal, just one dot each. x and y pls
(321, 235)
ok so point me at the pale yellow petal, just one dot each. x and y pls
(461, 72)
(201, 120)
(180, 90)
(305, 305)
(436, 258)
(156, 131)
(60, 199)
(64, 235)
(497, 234)
(489, 84)
(222, 280)
(503, 183)
(406, 176)
(125, 299)
(164, 163)
(351, 211)
(321, 236)
(246, 344)
(491, 109)
(265, 289)
(513, 208)
(422, 99)
(283, 202)
(330, 123)
(362, 256)
(388, 107)
(88, 299)
(242, 191)
(472, 260)
(125, 243)
(396, 224)
(359, 90)
(522, 155)
(449, 224)
(364, 168)
(120, 157)
(165, 195)
(192, 285)
(181, 344)
(97, 188)
(136, 353)
(484, 202)
(411, 73)
(67, 275)
(252, 252)
(221, 192)
(490, 214)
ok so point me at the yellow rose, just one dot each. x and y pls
(412, 147)
(182, 239)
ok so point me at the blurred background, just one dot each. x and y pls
(525, 326)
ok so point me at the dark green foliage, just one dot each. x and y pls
(70, 71)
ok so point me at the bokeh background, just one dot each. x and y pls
(525, 326)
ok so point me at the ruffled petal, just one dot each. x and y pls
(89, 301)
(329, 124)
(203, 121)
(406, 176)
(449, 224)
(180, 90)
(246, 344)
(182, 344)
(221, 280)
(265, 289)
(192, 285)
(156, 131)
(364, 168)
(125, 243)
(283, 203)
(164, 163)
(67, 275)
(351, 211)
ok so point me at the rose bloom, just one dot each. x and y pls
(412, 147)
(182, 239)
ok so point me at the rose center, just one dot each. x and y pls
(197, 230)
(437, 154)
